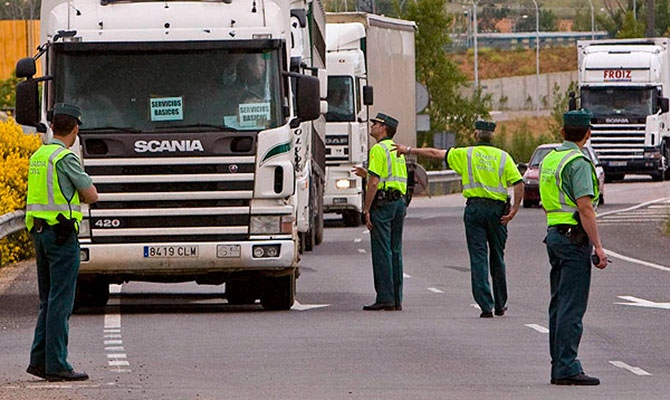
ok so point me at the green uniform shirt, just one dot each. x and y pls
(580, 170)
(71, 167)
(388, 166)
(486, 171)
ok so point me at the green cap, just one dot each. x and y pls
(386, 120)
(488, 126)
(68, 109)
(577, 118)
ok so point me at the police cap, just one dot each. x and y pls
(488, 126)
(577, 118)
(68, 109)
(386, 120)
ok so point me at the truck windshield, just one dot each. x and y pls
(621, 101)
(340, 99)
(156, 90)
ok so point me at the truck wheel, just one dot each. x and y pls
(609, 178)
(351, 218)
(658, 176)
(92, 292)
(240, 292)
(666, 162)
(278, 293)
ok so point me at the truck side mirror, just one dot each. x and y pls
(25, 68)
(368, 95)
(572, 101)
(664, 104)
(308, 99)
(27, 104)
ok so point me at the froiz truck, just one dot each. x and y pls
(188, 108)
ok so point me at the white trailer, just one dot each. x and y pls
(625, 83)
(365, 51)
(190, 117)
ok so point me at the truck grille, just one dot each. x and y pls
(618, 142)
(170, 199)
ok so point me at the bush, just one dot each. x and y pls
(15, 148)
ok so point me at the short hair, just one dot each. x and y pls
(484, 136)
(390, 130)
(63, 124)
(575, 133)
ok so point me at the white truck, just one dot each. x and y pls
(191, 111)
(365, 51)
(625, 83)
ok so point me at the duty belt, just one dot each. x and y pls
(475, 200)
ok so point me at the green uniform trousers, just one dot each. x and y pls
(57, 269)
(386, 245)
(486, 238)
(570, 279)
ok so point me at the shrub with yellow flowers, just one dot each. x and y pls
(16, 147)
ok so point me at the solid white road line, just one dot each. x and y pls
(538, 328)
(636, 261)
(635, 370)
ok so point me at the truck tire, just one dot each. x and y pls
(278, 293)
(351, 218)
(91, 292)
(610, 177)
(240, 292)
(666, 161)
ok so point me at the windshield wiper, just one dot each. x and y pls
(128, 129)
(195, 126)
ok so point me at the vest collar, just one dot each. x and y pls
(58, 142)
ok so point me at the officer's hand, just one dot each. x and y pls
(368, 222)
(399, 148)
(508, 217)
(600, 252)
(360, 171)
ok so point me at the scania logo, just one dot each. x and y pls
(233, 168)
(616, 121)
(172, 146)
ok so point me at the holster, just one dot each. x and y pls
(64, 229)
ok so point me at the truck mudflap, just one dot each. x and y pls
(187, 258)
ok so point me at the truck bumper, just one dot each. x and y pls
(642, 166)
(186, 259)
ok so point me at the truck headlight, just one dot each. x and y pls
(345, 183)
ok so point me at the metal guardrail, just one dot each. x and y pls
(443, 182)
(439, 182)
(12, 222)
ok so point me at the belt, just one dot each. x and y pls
(563, 229)
(483, 200)
(40, 225)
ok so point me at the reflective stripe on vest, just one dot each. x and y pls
(473, 185)
(559, 207)
(396, 181)
(45, 196)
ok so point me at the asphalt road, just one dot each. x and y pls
(183, 342)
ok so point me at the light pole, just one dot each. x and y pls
(593, 22)
(474, 36)
(537, 59)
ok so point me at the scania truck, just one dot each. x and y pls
(371, 68)
(191, 111)
(625, 83)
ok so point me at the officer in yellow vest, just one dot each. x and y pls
(569, 191)
(56, 183)
(486, 173)
(384, 209)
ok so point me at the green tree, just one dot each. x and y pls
(449, 110)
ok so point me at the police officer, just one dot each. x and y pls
(56, 183)
(569, 192)
(384, 210)
(486, 172)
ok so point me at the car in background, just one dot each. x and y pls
(531, 196)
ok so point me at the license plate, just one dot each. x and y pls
(618, 163)
(170, 251)
(228, 251)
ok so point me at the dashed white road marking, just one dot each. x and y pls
(636, 370)
(636, 261)
(404, 275)
(638, 302)
(303, 307)
(538, 328)
(358, 240)
(435, 290)
(476, 306)
(113, 341)
(362, 251)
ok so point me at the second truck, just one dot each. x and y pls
(364, 52)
